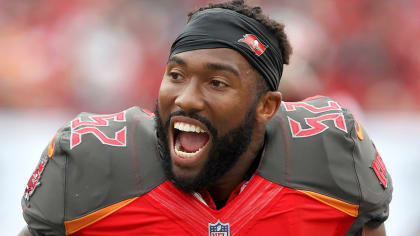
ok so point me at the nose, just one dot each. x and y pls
(190, 98)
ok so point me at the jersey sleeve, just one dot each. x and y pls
(317, 146)
(94, 161)
(43, 200)
(374, 179)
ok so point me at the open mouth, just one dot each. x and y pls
(189, 139)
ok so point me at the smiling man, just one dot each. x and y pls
(221, 154)
(209, 103)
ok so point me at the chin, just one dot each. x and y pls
(180, 172)
(187, 180)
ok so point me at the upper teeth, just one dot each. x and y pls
(188, 127)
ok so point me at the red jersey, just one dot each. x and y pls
(319, 174)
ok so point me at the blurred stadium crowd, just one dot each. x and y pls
(103, 56)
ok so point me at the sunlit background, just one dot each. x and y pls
(58, 58)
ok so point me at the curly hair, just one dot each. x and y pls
(255, 12)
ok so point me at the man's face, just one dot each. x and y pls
(205, 115)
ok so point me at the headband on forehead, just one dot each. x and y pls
(222, 28)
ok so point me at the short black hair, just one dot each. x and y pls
(255, 12)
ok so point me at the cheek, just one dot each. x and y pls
(165, 98)
(229, 111)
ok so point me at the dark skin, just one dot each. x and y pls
(218, 84)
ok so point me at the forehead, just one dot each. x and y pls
(222, 56)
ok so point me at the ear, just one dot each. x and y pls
(267, 106)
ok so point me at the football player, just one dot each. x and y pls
(221, 154)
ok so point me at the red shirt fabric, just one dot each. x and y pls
(262, 208)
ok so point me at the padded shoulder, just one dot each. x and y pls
(98, 160)
(43, 200)
(316, 145)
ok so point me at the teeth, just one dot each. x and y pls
(198, 129)
(188, 127)
(184, 154)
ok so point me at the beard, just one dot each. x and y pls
(223, 155)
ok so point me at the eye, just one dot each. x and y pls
(218, 84)
(175, 75)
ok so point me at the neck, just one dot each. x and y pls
(223, 187)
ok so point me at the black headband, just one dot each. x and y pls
(222, 28)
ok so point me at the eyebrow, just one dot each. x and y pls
(177, 60)
(216, 66)
(211, 66)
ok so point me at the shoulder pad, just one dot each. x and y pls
(315, 145)
(99, 160)
(110, 158)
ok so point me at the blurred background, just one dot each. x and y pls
(58, 58)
